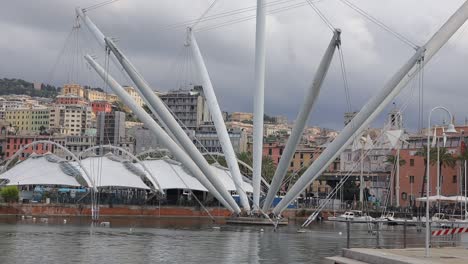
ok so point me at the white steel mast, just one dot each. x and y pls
(167, 141)
(259, 99)
(158, 107)
(218, 121)
(376, 104)
(301, 120)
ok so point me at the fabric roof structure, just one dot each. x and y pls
(171, 175)
(109, 172)
(38, 170)
(433, 198)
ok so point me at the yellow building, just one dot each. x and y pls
(73, 89)
(134, 94)
(28, 119)
(241, 116)
(93, 95)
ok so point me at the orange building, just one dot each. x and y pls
(412, 173)
(70, 100)
(101, 106)
(15, 142)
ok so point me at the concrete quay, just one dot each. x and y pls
(456, 255)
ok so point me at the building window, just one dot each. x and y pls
(302, 155)
(281, 151)
(292, 164)
(404, 196)
(349, 156)
(454, 179)
(270, 151)
(411, 179)
(411, 162)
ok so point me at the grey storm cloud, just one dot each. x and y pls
(34, 33)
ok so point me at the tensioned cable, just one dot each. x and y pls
(204, 13)
(380, 24)
(250, 17)
(321, 15)
(98, 5)
(345, 78)
(229, 13)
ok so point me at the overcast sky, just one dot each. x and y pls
(33, 46)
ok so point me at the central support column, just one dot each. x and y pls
(301, 120)
(259, 99)
(218, 121)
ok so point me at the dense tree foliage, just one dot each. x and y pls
(18, 86)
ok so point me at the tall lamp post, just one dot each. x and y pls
(450, 129)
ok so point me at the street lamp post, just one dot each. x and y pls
(450, 129)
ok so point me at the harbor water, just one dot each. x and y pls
(167, 240)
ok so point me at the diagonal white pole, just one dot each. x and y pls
(175, 149)
(376, 105)
(301, 120)
(218, 121)
(186, 143)
(100, 38)
(259, 99)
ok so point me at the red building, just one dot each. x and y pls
(70, 100)
(16, 142)
(101, 106)
(412, 173)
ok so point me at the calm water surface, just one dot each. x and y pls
(144, 240)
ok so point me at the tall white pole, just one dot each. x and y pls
(218, 121)
(397, 178)
(259, 99)
(428, 169)
(376, 105)
(301, 120)
(428, 189)
(100, 38)
(175, 149)
(158, 105)
(438, 167)
(466, 195)
(361, 179)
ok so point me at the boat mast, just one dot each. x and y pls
(218, 120)
(167, 141)
(302, 119)
(259, 92)
(377, 104)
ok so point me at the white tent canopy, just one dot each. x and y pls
(459, 198)
(37, 170)
(171, 175)
(433, 198)
(107, 172)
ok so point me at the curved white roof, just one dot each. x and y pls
(37, 170)
(172, 176)
(178, 178)
(106, 172)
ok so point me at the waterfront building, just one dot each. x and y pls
(70, 119)
(206, 139)
(16, 142)
(135, 95)
(240, 116)
(188, 106)
(110, 128)
(34, 119)
(95, 95)
(70, 99)
(77, 144)
(101, 106)
(73, 89)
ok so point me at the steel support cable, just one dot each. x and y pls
(345, 78)
(246, 18)
(191, 192)
(98, 5)
(354, 168)
(321, 15)
(380, 24)
(229, 13)
(204, 14)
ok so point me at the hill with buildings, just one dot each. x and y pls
(22, 87)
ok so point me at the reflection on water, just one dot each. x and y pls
(168, 240)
